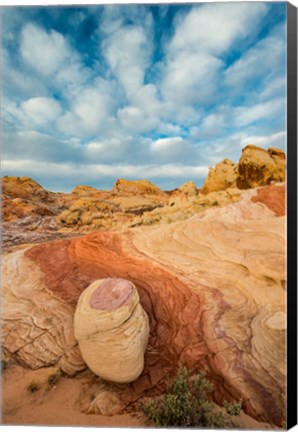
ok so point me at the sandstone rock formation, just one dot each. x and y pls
(137, 187)
(18, 208)
(181, 207)
(84, 190)
(213, 287)
(189, 189)
(31, 214)
(22, 187)
(220, 178)
(88, 211)
(37, 328)
(258, 167)
(112, 329)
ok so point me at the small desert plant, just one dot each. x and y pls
(34, 386)
(54, 378)
(186, 404)
(233, 409)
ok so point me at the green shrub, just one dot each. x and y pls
(233, 409)
(186, 404)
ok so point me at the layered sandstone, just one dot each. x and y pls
(137, 187)
(112, 329)
(84, 190)
(22, 187)
(212, 286)
(37, 327)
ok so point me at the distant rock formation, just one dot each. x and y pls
(112, 329)
(88, 211)
(84, 190)
(22, 197)
(220, 178)
(259, 167)
(23, 187)
(189, 189)
(137, 187)
(256, 167)
(30, 213)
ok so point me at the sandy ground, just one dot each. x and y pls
(62, 404)
(59, 405)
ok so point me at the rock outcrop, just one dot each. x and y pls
(256, 167)
(181, 207)
(18, 208)
(136, 187)
(213, 287)
(88, 211)
(37, 328)
(23, 187)
(259, 167)
(220, 178)
(112, 329)
(84, 190)
(189, 189)
(29, 211)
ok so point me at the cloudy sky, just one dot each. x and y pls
(91, 94)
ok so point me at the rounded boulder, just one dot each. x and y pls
(112, 329)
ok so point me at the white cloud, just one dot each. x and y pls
(40, 110)
(127, 52)
(44, 52)
(107, 149)
(166, 144)
(39, 146)
(134, 120)
(265, 58)
(115, 104)
(146, 98)
(169, 128)
(267, 110)
(191, 78)
(89, 111)
(214, 27)
(274, 88)
(17, 82)
(193, 64)
(173, 149)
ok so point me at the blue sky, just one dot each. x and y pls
(92, 94)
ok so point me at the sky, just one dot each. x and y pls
(159, 92)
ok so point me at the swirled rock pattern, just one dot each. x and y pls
(112, 329)
(213, 287)
(37, 328)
